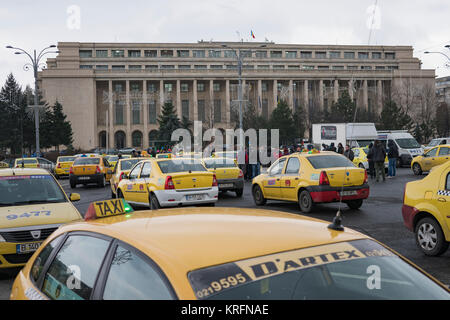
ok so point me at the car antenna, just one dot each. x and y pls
(337, 222)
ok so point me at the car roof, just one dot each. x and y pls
(191, 238)
(23, 172)
(29, 158)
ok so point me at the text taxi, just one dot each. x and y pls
(169, 182)
(432, 158)
(426, 210)
(118, 254)
(32, 206)
(310, 178)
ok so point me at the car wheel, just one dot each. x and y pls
(258, 196)
(102, 183)
(239, 192)
(113, 195)
(430, 238)
(153, 202)
(355, 204)
(305, 201)
(417, 169)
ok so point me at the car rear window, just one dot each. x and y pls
(66, 159)
(128, 164)
(329, 161)
(86, 161)
(220, 163)
(27, 161)
(182, 165)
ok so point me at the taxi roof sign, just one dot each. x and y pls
(107, 208)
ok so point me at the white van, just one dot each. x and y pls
(408, 147)
(355, 134)
(437, 142)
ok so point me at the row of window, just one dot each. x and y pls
(260, 54)
(259, 67)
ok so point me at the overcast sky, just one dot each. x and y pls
(425, 25)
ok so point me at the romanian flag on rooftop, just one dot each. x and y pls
(252, 34)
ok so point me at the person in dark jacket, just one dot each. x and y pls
(392, 158)
(378, 154)
(340, 148)
(349, 153)
(371, 170)
(332, 147)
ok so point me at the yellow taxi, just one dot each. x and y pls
(432, 158)
(112, 159)
(32, 206)
(164, 156)
(226, 154)
(215, 254)
(86, 170)
(426, 210)
(228, 174)
(26, 163)
(311, 178)
(63, 165)
(121, 168)
(360, 159)
(3, 165)
(169, 182)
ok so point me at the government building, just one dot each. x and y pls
(113, 93)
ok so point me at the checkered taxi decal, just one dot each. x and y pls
(444, 193)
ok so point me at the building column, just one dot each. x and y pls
(111, 116)
(179, 111)
(128, 112)
(365, 96)
(321, 94)
(211, 99)
(227, 102)
(161, 94)
(259, 110)
(291, 95)
(350, 89)
(145, 142)
(275, 95)
(336, 90)
(305, 95)
(379, 95)
(194, 97)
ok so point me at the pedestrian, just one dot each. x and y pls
(349, 153)
(378, 156)
(324, 147)
(119, 156)
(392, 158)
(340, 148)
(371, 170)
(332, 147)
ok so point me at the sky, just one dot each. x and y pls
(30, 25)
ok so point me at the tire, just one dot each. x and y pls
(258, 196)
(113, 195)
(305, 201)
(417, 169)
(239, 192)
(119, 194)
(102, 183)
(430, 238)
(153, 202)
(355, 204)
(73, 185)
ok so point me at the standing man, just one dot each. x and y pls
(392, 157)
(332, 147)
(378, 155)
(349, 153)
(340, 148)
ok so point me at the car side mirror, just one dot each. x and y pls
(74, 197)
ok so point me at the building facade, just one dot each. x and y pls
(443, 90)
(113, 92)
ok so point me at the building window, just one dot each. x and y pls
(263, 66)
(392, 67)
(231, 66)
(264, 87)
(349, 55)
(307, 67)
(168, 87)
(185, 108)
(261, 54)
(380, 68)
(101, 53)
(85, 53)
(216, 66)
(229, 54)
(151, 87)
(321, 54)
(200, 66)
(150, 53)
(352, 67)
(248, 66)
(246, 53)
(134, 86)
(118, 87)
(200, 86)
(198, 53)
(276, 54)
(183, 53)
(291, 54)
(136, 138)
(201, 110)
(305, 54)
(376, 55)
(337, 67)
(184, 66)
(184, 87)
(363, 55)
(134, 67)
(152, 112)
(389, 55)
(294, 67)
(216, 87)
(215, 54)
(118, 53)
(335, 54)
(217, 111)
(151, 67)
(166, 53)
(134, 53)
(136, 111)
(278, 66)
(366, 68)
(323, 67)
(118, 112)
(118, 67)
(101, 67)
(85, 66)
(167, 66)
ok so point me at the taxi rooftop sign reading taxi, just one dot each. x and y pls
(107, 208)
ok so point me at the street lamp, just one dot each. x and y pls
(35, 65)
(441, 53)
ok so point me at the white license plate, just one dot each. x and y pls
(194, 197)
(27, 247)
(349, 193)
(84, 178)
(226, 185)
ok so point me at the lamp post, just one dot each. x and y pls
(441, 53)
(35, 65)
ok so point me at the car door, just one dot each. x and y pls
(108, 169)
(429, 158)
(271, 182)
(443, 155)
(142, 195)
(130, 190)
(290, 179)
(443, 196)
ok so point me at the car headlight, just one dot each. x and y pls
(2, 239)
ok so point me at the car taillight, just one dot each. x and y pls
(38, 166)
(214, 182)
(121, 176)
(169, 183)
(323, 179)
(241, 174)
(404, 195)
(97, 169)
(59, 166)
(366, 177)
(71, 170)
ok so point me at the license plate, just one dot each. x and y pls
(349, 193)
(226, 185)
(27, 247)
(194, 197)
(84, 178)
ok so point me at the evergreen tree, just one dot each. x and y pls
(282, 119)
(61, 127)
(343, 110)
(168, 122)
(442, 121)
(299, 122)
(393, 117)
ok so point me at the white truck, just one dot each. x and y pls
(354, 134)
(408, 147)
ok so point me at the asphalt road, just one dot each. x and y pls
(380, 217)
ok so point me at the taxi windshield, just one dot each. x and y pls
(128, 164)
(86, 161)
(66, 159)
(34, 189)
(355, 270)
(329, 161)
(182, 165)
(220, 163)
